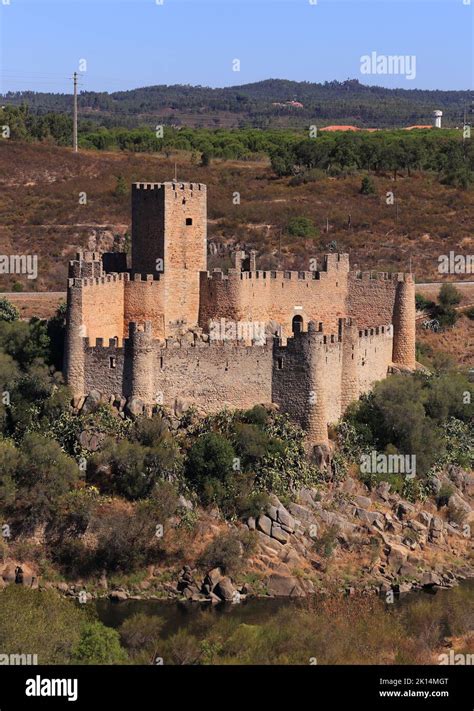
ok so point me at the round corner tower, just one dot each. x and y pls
(142, 352)
(317, 416)
(404, 323)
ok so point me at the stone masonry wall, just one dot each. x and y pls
(185, 249)
(211, 376)
(371, 297)
(278, 296)
(374, 356)
(145, 301)
(103, 306)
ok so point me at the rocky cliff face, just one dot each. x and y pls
(339, 538)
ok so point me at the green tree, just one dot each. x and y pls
(99, 645)
(44, 473)
(39, 622)
(449, 295)
(121, 187)
(367, 186)
(301, 227)
(205, 159)
(210, 466)
(8, 312)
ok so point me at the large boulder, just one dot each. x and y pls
(92, 401)
(284, 586)
(457, 506)
(303, 513)
(322, 455)
(396, 557)
(134, 407)
(264, 524)
(118, 596)
(225, 589)
(424, 518)
(363, 502)
(405, 510)
(213, 577)
(429, 579)
(279, 534)
(285, 519)
(436, 530)
(272, 512)
(383, 490)
(371, 517)
(19, 573)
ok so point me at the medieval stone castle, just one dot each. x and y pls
(147, 332)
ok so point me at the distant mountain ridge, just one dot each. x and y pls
(262, 104)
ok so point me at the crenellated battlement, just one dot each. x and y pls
(386, 331)
(382, 276)
(113, 343)
(88, 256)
(333, 264)
(174, 185)
(147, 277)
(143, 325)
(85, 282)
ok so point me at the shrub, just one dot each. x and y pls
(130, 469)
(251, 443)
(99, 645)
(227, 552)
(121, 187)
(394, 414)
(8, 312)
(256, 416)
(325, 543)
(456, 514)
(141, 631)
(43, 474)
(422, 303)
(39, 622)
(252, 504)
(301, 227)
(183, 648)
(367, 186)
(449, 295)
(210, 465)
(444, 494)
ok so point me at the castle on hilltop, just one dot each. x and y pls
(166, 331)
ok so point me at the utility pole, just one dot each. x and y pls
(74, 137)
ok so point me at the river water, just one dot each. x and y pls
(177, 615)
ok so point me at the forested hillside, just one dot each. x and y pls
(257, 105)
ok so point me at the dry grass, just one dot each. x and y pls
(40, 211)
(458, 341)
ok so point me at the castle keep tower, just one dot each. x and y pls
(169, 239)
(142, 331)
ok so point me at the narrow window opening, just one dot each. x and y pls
(112, 362)
(297, 324)
(189, 221)
(280, 363)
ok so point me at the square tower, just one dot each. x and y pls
(169, 240)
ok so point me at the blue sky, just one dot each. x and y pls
(138, 43)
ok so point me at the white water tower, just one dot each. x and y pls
(437, 118)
